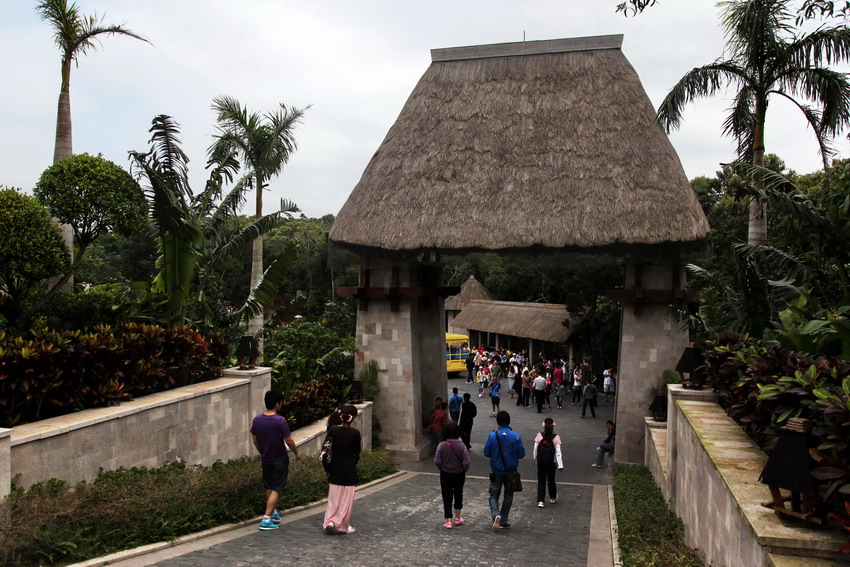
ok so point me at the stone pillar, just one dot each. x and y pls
(651, 341)
(5, 462)
(404, 332)
(261, 378)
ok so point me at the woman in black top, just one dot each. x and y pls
(342, 474)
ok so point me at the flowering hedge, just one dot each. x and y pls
(60, 372)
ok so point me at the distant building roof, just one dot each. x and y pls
(471, 289)
(541, 321)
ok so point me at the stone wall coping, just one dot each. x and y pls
(739, 462)
(45, 428)
(5, 432)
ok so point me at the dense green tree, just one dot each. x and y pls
(74, 34)
(767, 58)
(31, 250)
(263, 144)
(93, 196)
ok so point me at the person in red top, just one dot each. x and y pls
(439, 419)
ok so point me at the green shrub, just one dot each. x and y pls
(643, 543)
(314, 400)
(53, 524)
(300, 351)
(59, 372)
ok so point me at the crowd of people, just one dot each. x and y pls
(499, 373)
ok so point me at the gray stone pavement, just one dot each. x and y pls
(399, 521)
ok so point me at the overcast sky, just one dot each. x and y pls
(355, 62)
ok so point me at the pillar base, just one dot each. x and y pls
(422, 450)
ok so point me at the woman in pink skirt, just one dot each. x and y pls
(342, 473)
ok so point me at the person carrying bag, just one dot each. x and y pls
(504, 448)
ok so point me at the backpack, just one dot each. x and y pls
(590, 392)
(545, 452)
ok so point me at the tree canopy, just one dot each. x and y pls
(94, 196)
(30, 251)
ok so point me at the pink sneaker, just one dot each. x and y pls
(458, 521)
(447, 525)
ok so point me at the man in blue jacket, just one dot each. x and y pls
(504, 448)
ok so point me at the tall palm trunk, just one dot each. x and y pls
(63, 148)
(63, 145)
(757, 227)
(255, 322)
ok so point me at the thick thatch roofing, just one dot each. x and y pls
(542, 321)
(471, 289)
(544, 144)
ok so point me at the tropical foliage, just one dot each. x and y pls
(769, 58)
(60, 372)
(263, 145)
(94, 197)
(195, 231)
(30, 252)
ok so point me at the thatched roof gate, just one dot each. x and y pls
(543, 147)
(541, 144)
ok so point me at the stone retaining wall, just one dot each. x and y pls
(709, 471)
(198, 424)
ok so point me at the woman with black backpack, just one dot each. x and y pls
(547, 455)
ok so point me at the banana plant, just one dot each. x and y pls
(193, 230)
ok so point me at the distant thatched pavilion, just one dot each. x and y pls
(560, 133)
(516, 326)
(470, 289)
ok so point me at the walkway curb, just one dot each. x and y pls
(218, 530)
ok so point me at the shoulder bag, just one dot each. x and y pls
(514, 478)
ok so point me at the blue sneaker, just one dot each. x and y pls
(267, 524)
(276, 517)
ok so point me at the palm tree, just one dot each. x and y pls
(194, 232)
(74, 34)
(766, 59)
(263, 145)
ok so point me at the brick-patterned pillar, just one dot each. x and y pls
(406, 336)
(651, 341)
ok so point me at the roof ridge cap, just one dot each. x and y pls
(524, 48)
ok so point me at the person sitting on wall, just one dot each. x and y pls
(606, 446)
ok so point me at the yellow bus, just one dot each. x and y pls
(457, 349)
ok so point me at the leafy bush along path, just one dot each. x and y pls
(53, 524)
(658, 542)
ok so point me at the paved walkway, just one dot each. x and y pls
(399, 521)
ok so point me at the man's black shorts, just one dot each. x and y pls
(275, 473)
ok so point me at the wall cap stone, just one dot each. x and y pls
(739, 462)
(45, 428)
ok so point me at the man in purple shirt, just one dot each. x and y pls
(271, 436)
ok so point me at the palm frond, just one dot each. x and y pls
(813, 118)
(248, 234)
(697, 83)
(740, 123)
(229, 206)
(824, 46)
(780, 261)
(782, 193)
(288, 207)
(267, 290)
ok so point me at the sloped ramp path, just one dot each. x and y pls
(398, 522)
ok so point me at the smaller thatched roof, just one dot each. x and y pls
(471, 289)
(541, 321)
